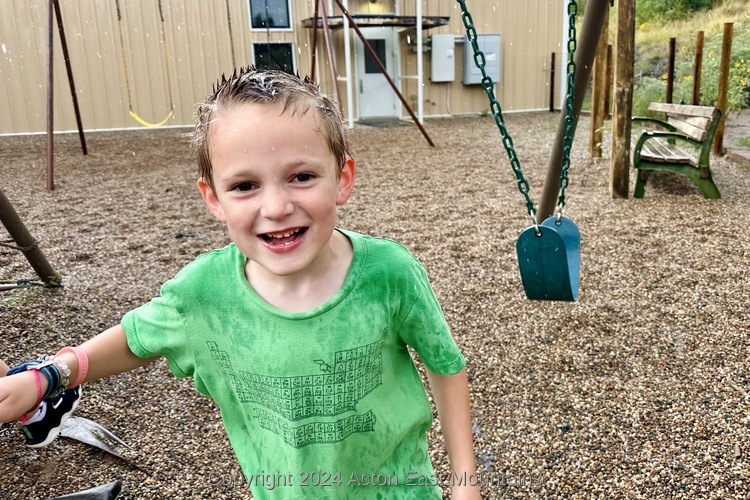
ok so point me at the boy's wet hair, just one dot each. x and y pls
(268, 86)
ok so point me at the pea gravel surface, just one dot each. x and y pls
(640, 389)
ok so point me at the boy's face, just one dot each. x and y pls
(276, 186)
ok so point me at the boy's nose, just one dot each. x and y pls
(276, 204)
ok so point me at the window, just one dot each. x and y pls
(273, 14)
(274, 55)
(378, 46)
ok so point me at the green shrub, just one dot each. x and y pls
(647, 90)
(653, 87)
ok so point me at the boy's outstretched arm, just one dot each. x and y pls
(108, 353)
(451, 395)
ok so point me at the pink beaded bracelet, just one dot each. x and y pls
(83, 363)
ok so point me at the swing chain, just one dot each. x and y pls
(569, 105)
(487, 86)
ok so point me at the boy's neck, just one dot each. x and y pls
(304, 291)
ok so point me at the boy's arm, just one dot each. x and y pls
(108, 353)
(451, 395)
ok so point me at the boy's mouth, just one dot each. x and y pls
(284, 238)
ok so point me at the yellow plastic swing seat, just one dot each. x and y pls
(147, 124)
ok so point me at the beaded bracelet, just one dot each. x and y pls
(83, 363)
(52, 374)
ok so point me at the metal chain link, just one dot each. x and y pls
(487, 86)
(569, 105)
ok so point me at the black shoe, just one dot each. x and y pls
(56, 412)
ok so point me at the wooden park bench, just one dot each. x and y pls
(682, 145)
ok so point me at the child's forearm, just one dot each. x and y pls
(451, 395)
(107, 354)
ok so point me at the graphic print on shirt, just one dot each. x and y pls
(333, 387)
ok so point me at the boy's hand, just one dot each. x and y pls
(18, 394)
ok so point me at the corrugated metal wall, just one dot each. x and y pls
(199, 50)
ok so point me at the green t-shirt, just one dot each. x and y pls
(327, 403)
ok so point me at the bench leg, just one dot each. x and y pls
(640, 183)
(708, 188)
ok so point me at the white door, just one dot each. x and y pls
(375, 97)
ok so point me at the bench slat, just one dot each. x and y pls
(693, 129)
(683, 109)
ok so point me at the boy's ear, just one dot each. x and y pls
(346, 181)
(210, 199)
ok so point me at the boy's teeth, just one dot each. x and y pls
(283, 235)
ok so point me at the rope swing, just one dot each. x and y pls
(166, 66)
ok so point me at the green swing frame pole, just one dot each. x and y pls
(26, 243)
(588, 40)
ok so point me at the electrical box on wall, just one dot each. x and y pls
(490, 45)
(443, 60)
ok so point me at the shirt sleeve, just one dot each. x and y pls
(157, 328)
(424, 327)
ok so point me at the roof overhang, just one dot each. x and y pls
(379, 20)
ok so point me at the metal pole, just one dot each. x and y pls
(71, 83)
(552, 84)
(584, 60)
(331, 56)
(314, 41)
(348, 66)
(50, 102)
(420, 65)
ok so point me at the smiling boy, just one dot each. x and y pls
(297, 329)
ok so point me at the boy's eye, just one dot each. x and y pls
(244, 186)
(304, 177)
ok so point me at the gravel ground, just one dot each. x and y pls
(640, 389)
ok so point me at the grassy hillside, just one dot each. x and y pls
(652, 45)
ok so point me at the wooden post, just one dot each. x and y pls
(26, 244)
(598, 97)
(608, 86)
(584, 59)
(721, 99)
(697, 68)
(625, 43)
(670, 70)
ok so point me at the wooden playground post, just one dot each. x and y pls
(598, 98)
(625, 42)
(584, 60)
(670, 70)
(721, 99)
(697, 68)
(26, 244)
